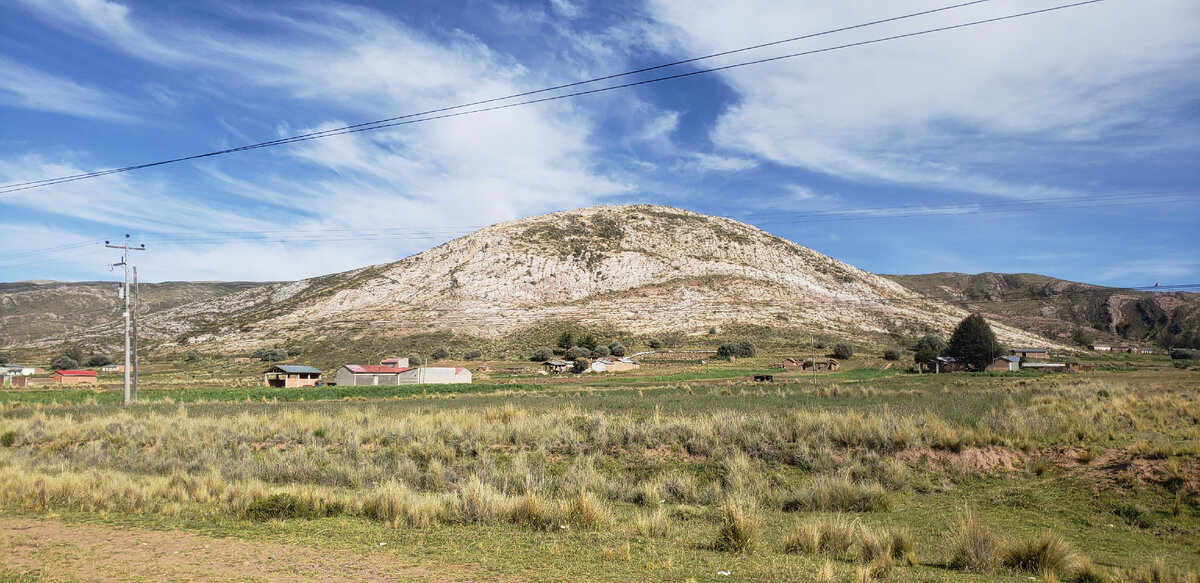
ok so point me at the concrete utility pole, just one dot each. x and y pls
(125, 262)
(135, 333)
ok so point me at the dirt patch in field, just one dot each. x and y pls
(61, 551)
(975, 458)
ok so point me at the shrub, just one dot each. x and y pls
(1185, 354)
(99, 360)
(739, 531)
(295, 350)
(581, 364)
(575, 352)
(542, 354)
(836, 536)
(931, 342)
(415, 360)
(891, 354)
(191, 356)
(64, 362)
(473, 354)
(270, 354)
(4, 358)
(617, 349)
(654, 343)
(442, 353)
(972, 546)
(601, 352)
(8, 438)
(843, 350)
(588, 511)
(1046, 554)
(743, 349)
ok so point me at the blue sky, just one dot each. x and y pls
(1065, 143)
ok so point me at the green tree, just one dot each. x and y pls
(743, 349)
(843, 350)
(442, 353)
(473, 354)
(542, 354)
(295, 350)
(64, 362)
(99, 360)
(415, 360)
(931, 342)
(891, 354)
(974, 342)
(4, 358)
(616, 349)
(581, 364)
(576, 352)
(601, 352)
(654, 343)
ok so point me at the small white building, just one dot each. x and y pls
(371, 375)
(434, 375)
(613, 364)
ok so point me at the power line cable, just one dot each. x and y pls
(454, 111)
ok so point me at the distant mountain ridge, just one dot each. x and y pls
(1067, 310)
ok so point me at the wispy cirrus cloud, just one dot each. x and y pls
(28, 88)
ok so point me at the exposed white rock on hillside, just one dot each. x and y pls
(639, 268)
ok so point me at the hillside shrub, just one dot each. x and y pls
(473, 354)
(295, 350)
(654, 343)
(576, 352)
(843, 350)
(601, 352)
(64, 362)
(1185, 354)
(4, 358)
(415, 360)
(891, 354)
(442, 353)
(99, 360)
(192, 356)
(270, 354)
(542, 354)
(617, 349)
(931, 342)
(743, 349)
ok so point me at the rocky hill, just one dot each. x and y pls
(638, 269)
(1069, 311)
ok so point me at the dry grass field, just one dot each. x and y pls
(858, 476)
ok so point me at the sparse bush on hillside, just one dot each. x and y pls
(924, 355)
(821, 345)
(601, 352)
(843, 350)
(654, 343)
(674, 340)
(617, 349)
(542, 354)
(442, 353)
(295, 350)
(99, 360)
(577, 352)
(473, 354)
(415, 360)
(64, 362)
(4, 358)
(743, 349)
(891, 354)
(191, 356)
(270, 354)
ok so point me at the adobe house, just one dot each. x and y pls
(792, 364)
(72, 377)
(1031, 353)
(557, 365)
(291, 376)
(942, 364)
(825, 364)
(1005, 364)
(614, 365)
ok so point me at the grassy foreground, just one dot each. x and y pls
(850, 478)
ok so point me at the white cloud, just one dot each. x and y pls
(22, 86)
(916, 111)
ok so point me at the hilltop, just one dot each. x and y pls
(639, 269)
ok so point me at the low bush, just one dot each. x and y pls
(542, 354)
(284, 506)
(473, 354)
(843, 350)
(441, 353)
(891, 354)
(743, 349)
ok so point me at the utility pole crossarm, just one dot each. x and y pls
(125, 262)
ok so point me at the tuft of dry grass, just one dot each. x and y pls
(1088, 572)
(973, 547)
(740, 529)
(654, 525)
(1046, 554)
(588, 511)
(804, 538)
